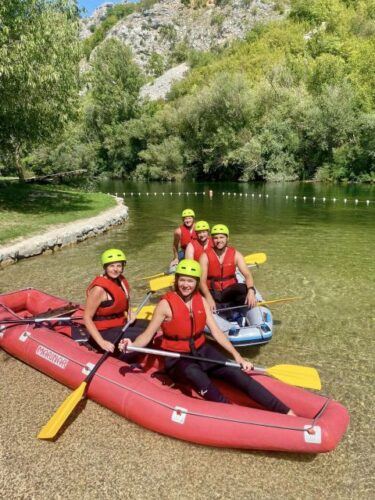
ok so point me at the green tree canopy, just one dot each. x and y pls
(39, 55)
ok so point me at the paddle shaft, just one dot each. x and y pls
(300, 376)
(262, 303)
(118, 338)
(169, 354)
(251, 265)
(38, 320)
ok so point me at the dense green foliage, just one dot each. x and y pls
(39, 54)
(294, 100)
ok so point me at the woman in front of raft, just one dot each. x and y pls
(108, 302)
(182, 316)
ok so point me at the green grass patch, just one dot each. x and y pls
(28, 210)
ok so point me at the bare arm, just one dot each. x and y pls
(241, 264)
(176, 244)
(222, 340)
(162, 311)
(203, 261)
(95, 297)
(189, 252)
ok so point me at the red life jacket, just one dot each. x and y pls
(199, 248)
(115, 314)
(185, 330)
(220, 276)
(187, 235)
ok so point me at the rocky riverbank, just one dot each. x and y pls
(59, 237)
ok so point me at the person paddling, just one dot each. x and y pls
(196, 247)
(219, 283)
(108, 303)
(182, 316)
(183, 235)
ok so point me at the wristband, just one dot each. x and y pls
(251, 288)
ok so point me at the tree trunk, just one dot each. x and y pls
(21, 172)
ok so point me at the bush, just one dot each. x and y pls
(156, 64)
(162, 161)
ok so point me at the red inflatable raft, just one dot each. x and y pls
(143, 394)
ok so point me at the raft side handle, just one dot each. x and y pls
(312, 434)
(179, 415)
(24, 336)
(87, 368)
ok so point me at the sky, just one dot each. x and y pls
(91, 5)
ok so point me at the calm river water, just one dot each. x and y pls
(320, 250)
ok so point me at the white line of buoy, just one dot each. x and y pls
(253, 196)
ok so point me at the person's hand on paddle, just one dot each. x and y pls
(106, 345)
(123, 344)
(251, 300)
(246, 366)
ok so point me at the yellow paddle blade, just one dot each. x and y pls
(57, 420)
(278, 301)
(301, 376)
(153, 276)
(255, 258)
(146, 312)
(163, 282)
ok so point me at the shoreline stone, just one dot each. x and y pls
(54, 239)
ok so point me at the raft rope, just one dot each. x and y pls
(253, 196)
(194, 413)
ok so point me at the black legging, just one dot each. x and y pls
(111, 335)
(198, 373)
(234, 294)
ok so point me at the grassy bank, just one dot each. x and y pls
(27, 210)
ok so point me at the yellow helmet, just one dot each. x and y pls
(189, 267)
(202, 225)
(220, 229)
(113, 255)
(188, 212)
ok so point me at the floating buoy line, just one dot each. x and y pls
(252, 196)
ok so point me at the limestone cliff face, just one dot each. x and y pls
(88, 24)
(168, 24)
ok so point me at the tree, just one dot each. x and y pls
(39, 56)
(114, 84)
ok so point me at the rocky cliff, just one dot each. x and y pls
(155, 33)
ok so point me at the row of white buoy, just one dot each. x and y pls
(195, 193)
(304, 198)
(210, 193)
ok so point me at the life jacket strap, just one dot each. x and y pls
(175, 337)
(226, 278)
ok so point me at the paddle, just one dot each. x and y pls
(145, 313)
(51, 428)
(252, 260)
(262, 303)
(300, 376)
(255, 259)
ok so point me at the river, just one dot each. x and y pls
(319, 247)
